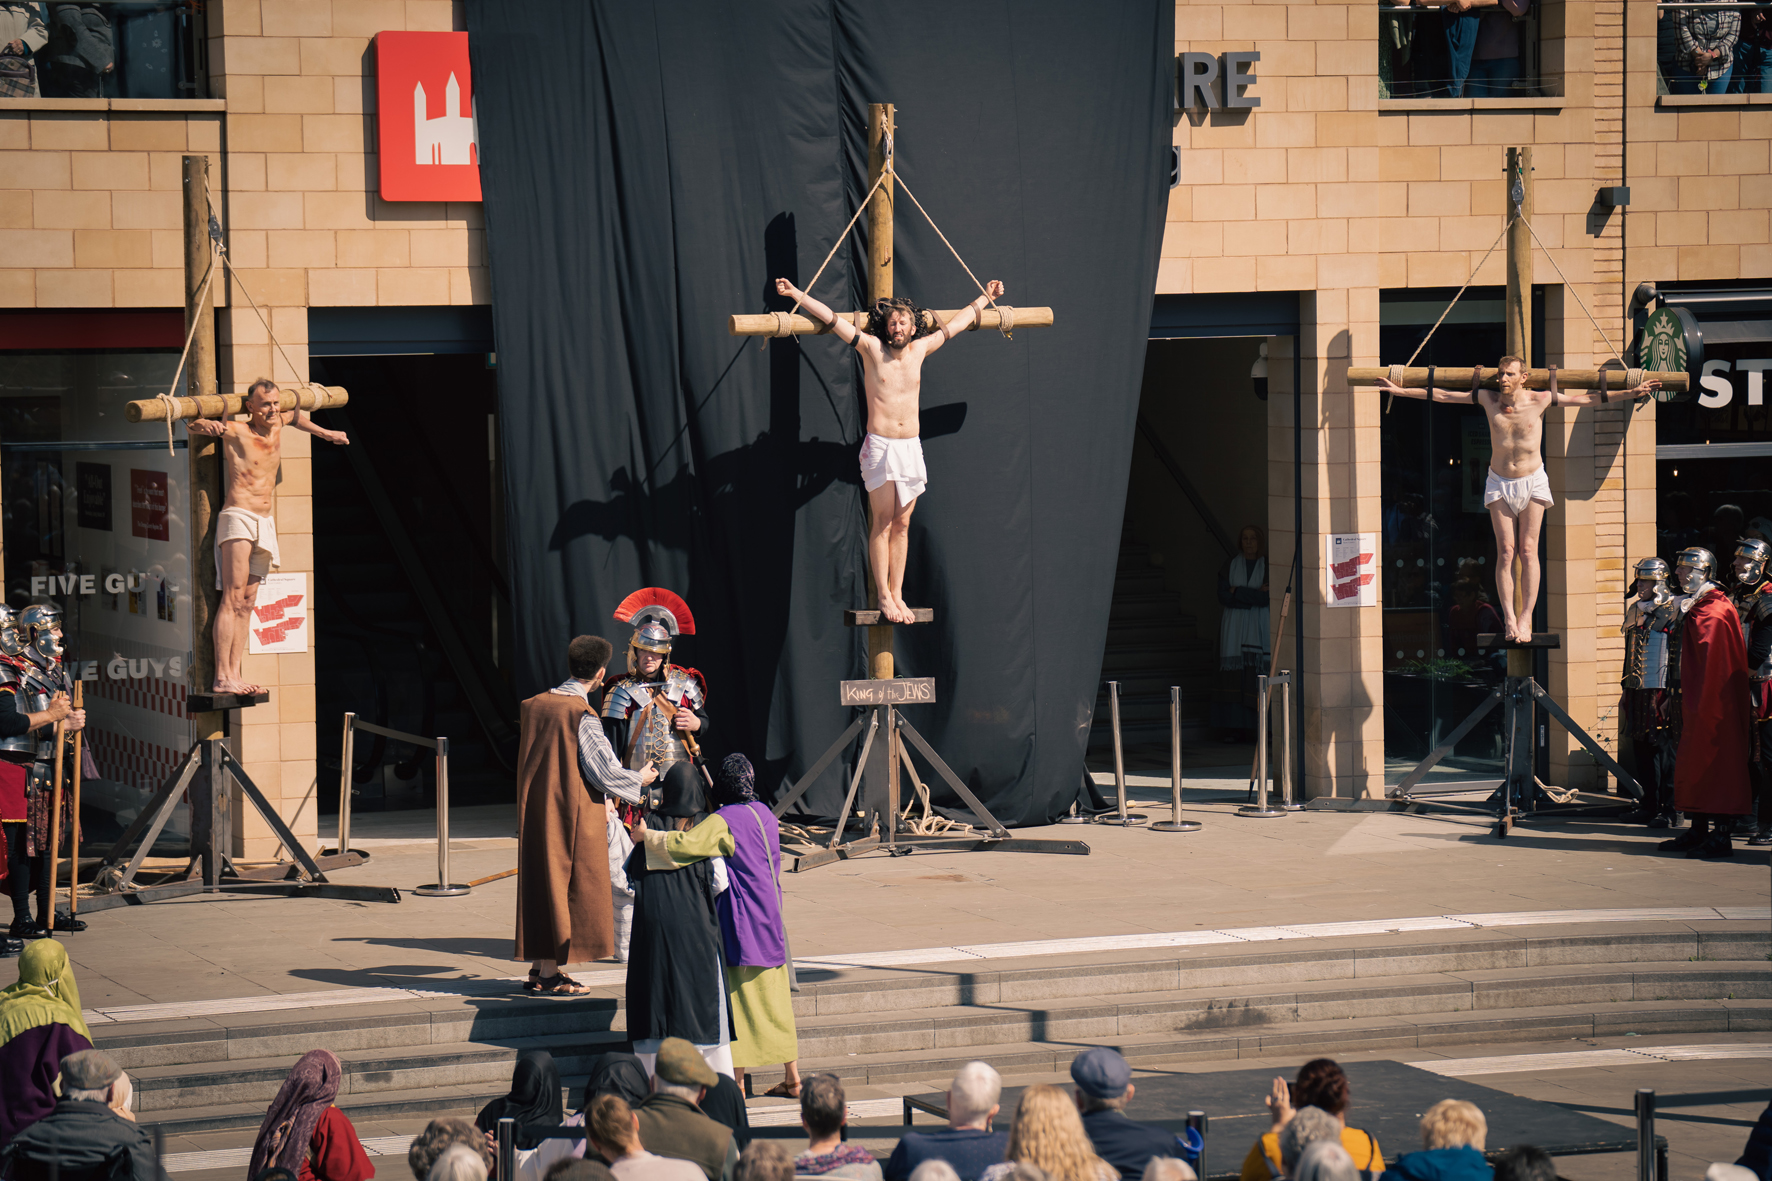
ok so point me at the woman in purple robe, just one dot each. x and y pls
(753, 938)
(40, 1024)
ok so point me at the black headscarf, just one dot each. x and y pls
(682, 791)
(736, 783)
(724, 1104)
(618, 1074)
(534, 1101)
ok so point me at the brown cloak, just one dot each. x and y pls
(564, 908)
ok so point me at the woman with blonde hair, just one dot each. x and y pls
(1048, 1134)
(1452, 1135)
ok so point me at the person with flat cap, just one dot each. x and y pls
(83, 1131)
(671, 1120)
(1104, 1088)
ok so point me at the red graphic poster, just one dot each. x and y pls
(1351, 562)
(279, 620)
(147, 505)
(427, 137)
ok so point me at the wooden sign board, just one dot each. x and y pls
(898, 691)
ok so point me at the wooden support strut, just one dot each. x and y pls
(225, 405)
(1536, 379)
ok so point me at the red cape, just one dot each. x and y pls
(1710, 770)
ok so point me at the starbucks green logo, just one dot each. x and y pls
(1669, 337)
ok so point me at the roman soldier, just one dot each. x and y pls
(1710, 767)
(1649, 705)
(1753, 602)
(657, 712)
(32, 675)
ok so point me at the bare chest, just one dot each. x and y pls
(899, 374)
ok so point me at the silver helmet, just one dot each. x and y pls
(1656, 571)
(13, 639)
(41, 624)
(1751, 557)
(1696, 568)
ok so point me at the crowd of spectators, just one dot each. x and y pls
(69, 1103)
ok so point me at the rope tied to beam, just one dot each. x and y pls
(167, 399)
(1005, 325)
(1391, 399)
(781, 322)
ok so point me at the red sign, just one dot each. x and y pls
(147, 505)
(427, 138)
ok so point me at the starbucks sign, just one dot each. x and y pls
(1672, 342)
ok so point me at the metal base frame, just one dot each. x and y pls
(205, 771)
(1517, 798)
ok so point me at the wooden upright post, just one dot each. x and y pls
(204, 457)
(1517, 196)
(880, 132)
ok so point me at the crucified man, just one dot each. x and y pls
(892, 351)
(245, 533)
(1516, 491)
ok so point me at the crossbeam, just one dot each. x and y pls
(226, 405)
(769, 324)
(1617, 380)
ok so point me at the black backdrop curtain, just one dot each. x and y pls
(650, 168)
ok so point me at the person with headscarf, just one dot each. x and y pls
(304, 1133)
(536, 1106)
(676, 984)
(744, 836)
(40, 1024)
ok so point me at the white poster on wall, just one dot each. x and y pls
(280, 620)
(1350, 566)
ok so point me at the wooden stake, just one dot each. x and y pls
(880, 133)
(1517, 199)
(74, 816)
(226, 405)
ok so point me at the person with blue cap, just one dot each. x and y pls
(1104, 1088)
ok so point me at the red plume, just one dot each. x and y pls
(658, 596)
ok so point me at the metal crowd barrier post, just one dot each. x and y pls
(442, 887)
(1197, 1121)
(1175, 823)
(1121, 818)
(1287, 802)
(1260, 809)
(1645, 1134)
(507, 1150)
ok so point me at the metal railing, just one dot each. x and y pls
(442, 887)
(1264, 691)
(1175, 823)
(1119, 816)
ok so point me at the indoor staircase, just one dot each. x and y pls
(1151, 644)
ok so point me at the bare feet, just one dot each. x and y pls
(897, 612)
(236, 687)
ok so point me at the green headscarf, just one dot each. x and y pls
(44, 995)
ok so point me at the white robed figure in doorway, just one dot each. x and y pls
(1242, 635)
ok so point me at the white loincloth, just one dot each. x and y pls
(237, 524)
(1515, 495)
(898, 461)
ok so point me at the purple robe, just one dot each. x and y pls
(28, 1066)
(750, 909)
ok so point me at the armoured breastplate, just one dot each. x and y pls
(1645, 650)
(1756, 615)
(1670, 618)
(651, 736)
(34, 686)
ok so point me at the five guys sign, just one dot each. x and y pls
(427, 137)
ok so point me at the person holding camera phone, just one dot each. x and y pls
(565, 770)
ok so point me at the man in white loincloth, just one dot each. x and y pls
(245, 531)
(1517, 491)
(892, 352)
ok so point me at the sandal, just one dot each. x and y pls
(560, 984)
(533, 984)
(782, 1090)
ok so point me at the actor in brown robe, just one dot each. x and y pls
(564, 768)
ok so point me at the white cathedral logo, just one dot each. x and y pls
(451, 138)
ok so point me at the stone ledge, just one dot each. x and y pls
(1713, 100)
(189, 106)
(1546, 103)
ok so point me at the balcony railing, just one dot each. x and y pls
(102, 49)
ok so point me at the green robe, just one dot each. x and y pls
(759, 999)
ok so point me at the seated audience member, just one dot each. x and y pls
(1324, 1160)
(439, 1136)
(1757, 1154)
(1167, 1168)
(613, 1132)
(1452, 1135)
(1104, 1088)
(671, 1120)
(934, 1169)
(1308, 1126)
(1724, 1171)
(533, 1101)
(123, 1097)
(618, 1074)
(967, 1143)
(765, 1160)
(724, 1104)
(1321, 1083)
(574, 1169)
(304, 1133)
(1524, 1162)
(458, 1163)
(824, 1110)
(83, 1131)
(40, 1024)
(1048, 1133)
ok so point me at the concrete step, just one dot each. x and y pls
(1305, 1039)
